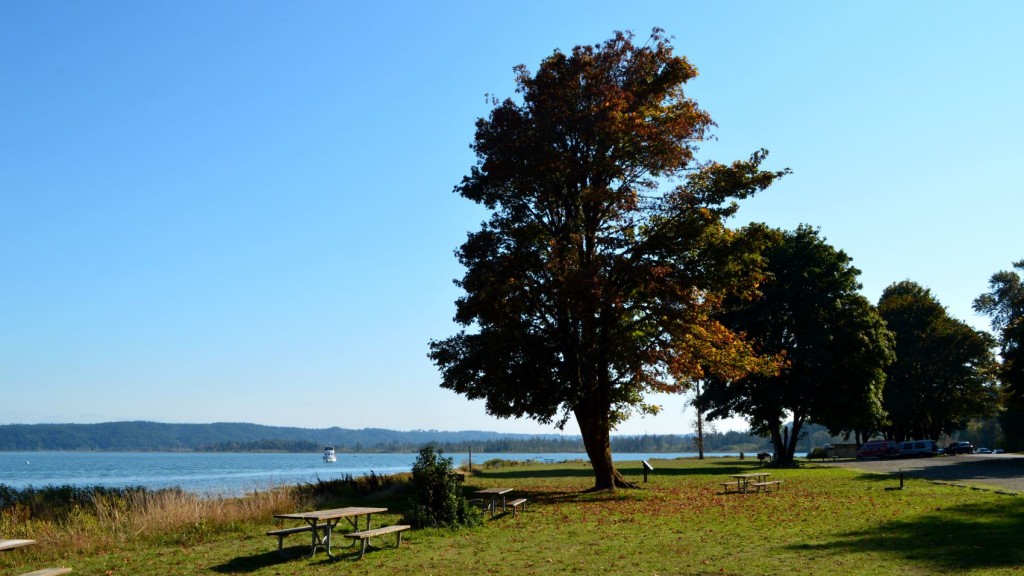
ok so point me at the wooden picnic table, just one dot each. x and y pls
(16, 543)
(322, 522)
(743, 481)
(494, 493)
(12, 544)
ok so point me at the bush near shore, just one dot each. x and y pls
(824, 520)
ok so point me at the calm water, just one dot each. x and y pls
(225, 473)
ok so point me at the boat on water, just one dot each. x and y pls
(329, 455)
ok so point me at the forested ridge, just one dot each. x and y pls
(216, 437)
(243, 437)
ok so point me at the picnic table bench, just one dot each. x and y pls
(365, 535)
(48, 572)
(289, 531)
(515, 504)
(767, 485)
(735, 486)
(18, 543)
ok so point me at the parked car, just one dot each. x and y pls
(982, 451)
(919, 448)
(960, 448)
(998, 451)
(878, 449)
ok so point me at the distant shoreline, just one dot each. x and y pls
(256, 438)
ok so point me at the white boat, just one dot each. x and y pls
(329, 455)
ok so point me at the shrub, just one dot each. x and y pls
(438, 501)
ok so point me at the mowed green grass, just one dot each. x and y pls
(823, 521)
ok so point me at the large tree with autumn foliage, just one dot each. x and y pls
(591, 285)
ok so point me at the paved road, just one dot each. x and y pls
(1001, 471)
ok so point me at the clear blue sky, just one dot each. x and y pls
(243, 211)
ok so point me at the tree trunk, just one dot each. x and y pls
(700, 423)
(782, 454)
(777, 444)
(700, 437)
(596, 433)
(794, 437)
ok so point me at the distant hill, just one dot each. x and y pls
(231, 436)
(242, 437)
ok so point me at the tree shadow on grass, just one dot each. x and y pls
(887, 479)
(244, 564)
(980, 469)
(565, 470)
(631, 469)
(954, 539)
(704, 468)
(247, 564)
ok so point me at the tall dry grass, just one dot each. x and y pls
(169, 512)
(95, 518)
(108, 519)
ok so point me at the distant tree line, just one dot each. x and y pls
(220, 437)
(151, 436)
(261, 446)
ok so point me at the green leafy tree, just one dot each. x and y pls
(833, 343)
(589, 285)
(943, 375)
(438, 501)
(1004, 305)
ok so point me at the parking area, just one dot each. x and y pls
(1000, 471)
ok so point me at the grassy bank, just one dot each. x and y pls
(823, 521)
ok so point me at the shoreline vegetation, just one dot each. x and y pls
(96, 518)
(242, 437)
(823, 520)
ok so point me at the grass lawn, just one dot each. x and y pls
(823, 521)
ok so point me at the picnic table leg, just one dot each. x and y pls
(315, 537)
(354, 521)
(327, 537)
(362, 551)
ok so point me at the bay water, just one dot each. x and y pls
(231, 474)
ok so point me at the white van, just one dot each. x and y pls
(918, 448)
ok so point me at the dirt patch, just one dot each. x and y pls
(999, 471)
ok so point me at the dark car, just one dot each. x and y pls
(960, 448)
(878, 449)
